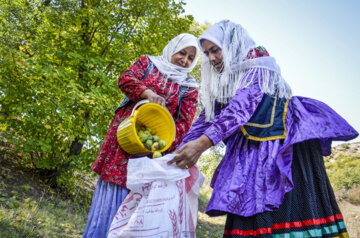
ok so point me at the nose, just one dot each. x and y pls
(183, 62)
(211, 57)
(187, 63)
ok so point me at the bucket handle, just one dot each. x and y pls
(139, 104)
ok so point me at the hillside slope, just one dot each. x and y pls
(30, 208)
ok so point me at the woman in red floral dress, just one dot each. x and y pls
(160, 79)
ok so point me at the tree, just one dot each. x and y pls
(60, 60)
(209, 161)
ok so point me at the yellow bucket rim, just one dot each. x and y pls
(133, 120)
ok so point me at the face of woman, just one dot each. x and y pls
(213, 51)
(184, 57)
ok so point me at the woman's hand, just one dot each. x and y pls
(152, 97)
(189, 154)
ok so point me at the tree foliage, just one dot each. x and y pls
(209, 161)
(59, 65)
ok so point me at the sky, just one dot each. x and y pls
(315, 43)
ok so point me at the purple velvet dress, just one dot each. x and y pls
(253, 177)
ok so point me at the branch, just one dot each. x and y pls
(109, 67)
(93, 33)
(105, 50)
(46, 3)
(136, 21)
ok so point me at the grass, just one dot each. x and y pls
(208, 227)
(31, 217)
(30, 208)
(50, 216)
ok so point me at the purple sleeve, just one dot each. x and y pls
(236, 114)
(196, 130)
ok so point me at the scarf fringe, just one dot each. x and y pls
(222, 87)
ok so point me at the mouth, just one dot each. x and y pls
(179, 64)
(218, 66)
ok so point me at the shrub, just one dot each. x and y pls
(344, 172)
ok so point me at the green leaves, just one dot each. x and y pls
(343, 170)
(209, 161)
(59, 65)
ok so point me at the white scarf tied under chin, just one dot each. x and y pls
(235, 44)
(172, 72)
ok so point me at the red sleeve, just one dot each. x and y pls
(187, 113)
(130, 81)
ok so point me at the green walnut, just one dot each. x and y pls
(156, 154)
(162, 144)
(156, 138)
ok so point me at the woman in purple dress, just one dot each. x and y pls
(272, 180)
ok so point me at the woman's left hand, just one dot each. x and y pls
(189, 154)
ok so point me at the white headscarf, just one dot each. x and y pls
(172, 72)
(235, 44)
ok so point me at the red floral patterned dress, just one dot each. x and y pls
(111, 161)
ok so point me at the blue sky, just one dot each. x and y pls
(316, 43)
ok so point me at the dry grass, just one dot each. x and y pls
(351, 215)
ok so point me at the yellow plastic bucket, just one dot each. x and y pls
(151, 115)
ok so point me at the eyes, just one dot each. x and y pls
(213, 50)
(184, 53)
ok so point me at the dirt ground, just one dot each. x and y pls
(351, 214)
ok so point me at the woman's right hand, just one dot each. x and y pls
(188, 155)
(153, 97)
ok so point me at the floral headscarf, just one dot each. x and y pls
(235, 43)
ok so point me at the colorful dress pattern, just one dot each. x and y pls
(111, 160)
(260, 184)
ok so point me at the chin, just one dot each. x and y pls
(219, 69)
